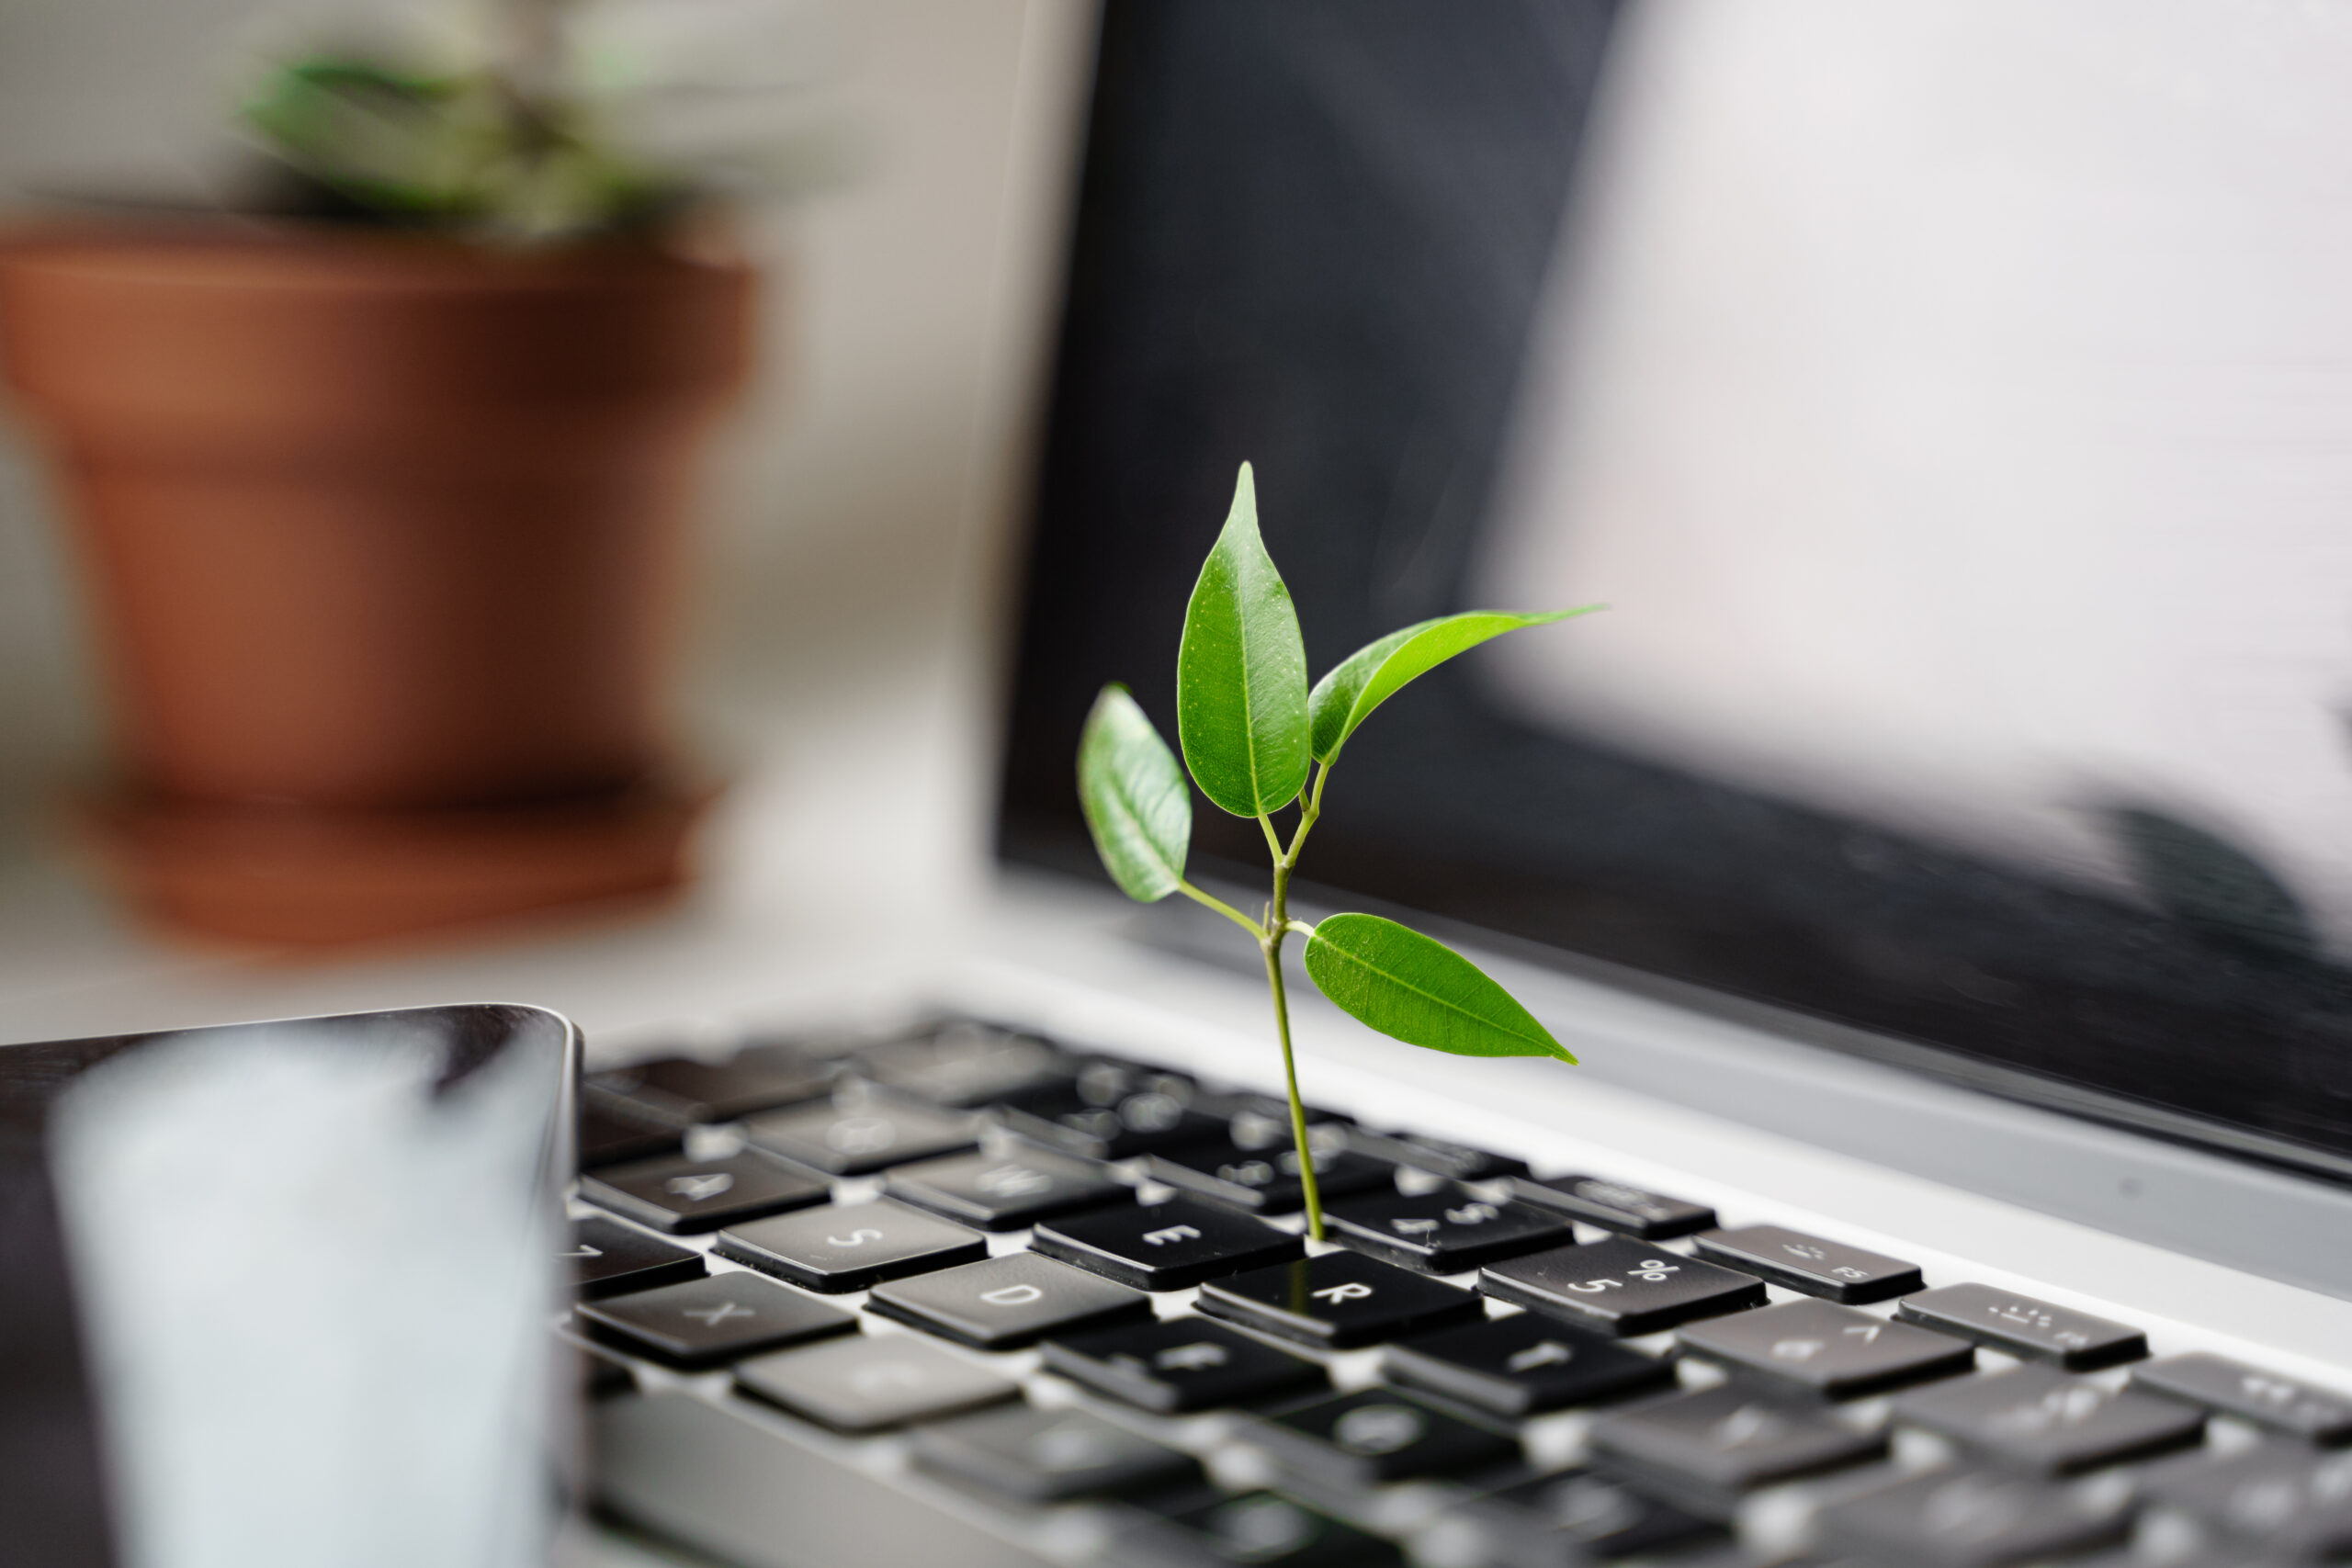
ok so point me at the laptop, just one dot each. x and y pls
(1956, 1171)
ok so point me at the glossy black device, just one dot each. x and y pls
(51, 1486)
(1314, 236)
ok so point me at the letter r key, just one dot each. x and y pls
(1352, 1290)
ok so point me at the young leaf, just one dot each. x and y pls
(1370, 676)
(1419, 990)
(1134, 796)
(1242, 673)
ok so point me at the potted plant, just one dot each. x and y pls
(381, 492)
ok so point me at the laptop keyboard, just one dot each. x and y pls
(1063, 1300)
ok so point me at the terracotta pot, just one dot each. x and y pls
(374, 524)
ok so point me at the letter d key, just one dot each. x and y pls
(1013, 1296)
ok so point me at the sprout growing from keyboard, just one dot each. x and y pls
(1260, 743)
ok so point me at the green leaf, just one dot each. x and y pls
(1416, 990)
(1370, 676)
(1242, 673)
(1134, 796)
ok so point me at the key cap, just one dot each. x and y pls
(854, 1136)
(608, 1258)
(1165, 1246)
(1336, 1301)
(1263, 1120)
(723, 1318)
(681, 1091)
(1005, 1190)
(687, 1196)
(1612, 1205)
(1003, 1304)
(2283, 1405)
(1106, 1080)
(1258, 1528)
(1134, 1124)
(867, 1382)
(1048, 1456)
(1972, 1519)
(963, 1065)
(1456, 1162)
(1266, 1181)
(850, 1247)
(1520, 1365)
(2279, 1495)
(1574, 1518)
(1727, 1441)
(1809, 1263)
(1446, 1232)
(1180, 1363)
(1827, 1349)
(607, 1139)
(1373, 1436)
(1621, 1287)
(2037, 1419)
(2031, 1330)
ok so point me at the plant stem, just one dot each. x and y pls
(1270, 944)
(1210, 901)
(1272, 948)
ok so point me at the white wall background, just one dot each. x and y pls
(842, 666)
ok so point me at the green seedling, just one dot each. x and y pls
(1258, 742)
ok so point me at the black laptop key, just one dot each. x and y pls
(1262, 1119)
(869, 1382)
(1005, 1190)
(1265, 1181)
(1445, 1232)
(681, 1091)
(1726, 1439)
(1519, 1365)
(608, 1258)
(2280, 1404)
(850, 1247)
(1827, 1268)
(854, 1136)
(2282, 1496)
(1827, 1349)
(1134, 1123)
(1970, 1519)
(1180, 1363)
(723, 1318)
(1003, 1304)
(1338, 1301)
(1048, 1456)
(1622, 1287)
(1261, 1530)
(687, 1196)
(1456, 1162)
(1612, 1205)
(1373, 1436)
(1573, 1518)
(963, 1065)
(2037, 1419)
(1165, 1246)
(607, 1138)
(2031, 1330)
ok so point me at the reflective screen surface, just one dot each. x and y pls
(1950, 409)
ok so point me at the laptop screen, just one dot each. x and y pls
(1971, 691)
